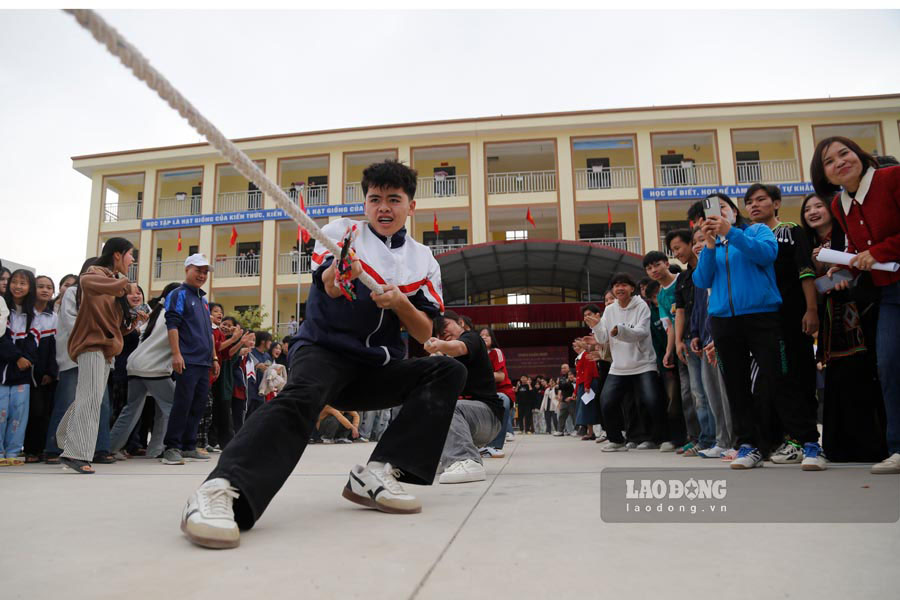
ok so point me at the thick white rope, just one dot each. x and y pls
(118, 46)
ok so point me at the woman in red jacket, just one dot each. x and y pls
(867, 206)
(504, 389)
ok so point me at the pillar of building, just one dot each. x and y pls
(478, 197)
(94, 215)
(807, 147)
(207, 207)
(566, 187)
(650, 232)
(268, 255)
(726, 156)
(148, 252)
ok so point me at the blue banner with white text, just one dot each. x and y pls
(337, 210)
(735, 191)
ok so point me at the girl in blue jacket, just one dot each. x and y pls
(737, 265)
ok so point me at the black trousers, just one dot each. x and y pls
(755, 417)
(800, 380)
(40, 405)
(645, 389)
(265, 451)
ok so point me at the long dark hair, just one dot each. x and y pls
(157, 305)
(837, 232)
(823, 187)
(490, 330)
(77, 285)
(107, 260)
(62, 282)
(27, 303)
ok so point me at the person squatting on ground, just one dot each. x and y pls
(478, 414)
(349, 354)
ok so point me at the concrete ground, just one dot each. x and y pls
(532, 530)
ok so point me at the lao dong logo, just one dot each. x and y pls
(674, 489)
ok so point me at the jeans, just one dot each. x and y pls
(501, 437)
(373, 423)
(13, 418)
(646, 390)
(566, 410)
(65, 395)
(714, 387)
(163, 392)
(888, 347)
(191, 395)
(691, 423)
(473, 426)
(705, 416)
(552, 421)
(267, 448)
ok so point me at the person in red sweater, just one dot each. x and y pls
(587, 378)
(867, 206)
(504, 389)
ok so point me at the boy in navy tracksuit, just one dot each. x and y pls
(193, 356)
(349, 354)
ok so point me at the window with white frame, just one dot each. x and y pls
(518, 298)
(519, 325)
(521, 234)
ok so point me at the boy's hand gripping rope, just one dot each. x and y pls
(129, 56)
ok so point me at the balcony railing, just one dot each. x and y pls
(439, 249)
(687, 173)
(177, 206)
(166, 270)
(133, 271)
(442, 187)
(291, 263)
(227, 202)
(238, 266)
(628, 244)
(283, 329)
(353, 193)
(603, 179)
(521, 182)
(751, 171)
(122, 211)
(664, 248)
(314, 195)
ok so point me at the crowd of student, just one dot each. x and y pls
(79, 366)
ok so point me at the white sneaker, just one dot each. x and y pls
(510, 436)
(631, 445)
(376, 486)
(647, 446)
(208, 517)
(714, 452)
(555, 434)
(813, 457)
(747, 457)
(889, 466)
(614, 447)
(789, 453)
(667, 447)
(463, 471)
(490, 452)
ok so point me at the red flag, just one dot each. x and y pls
(233, 239)
(437, 230)
(179, 240)
(302, 234)
(529, 218)
(609, 218)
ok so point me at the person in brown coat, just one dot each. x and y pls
(96, 338)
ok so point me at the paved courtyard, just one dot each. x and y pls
(532, 530)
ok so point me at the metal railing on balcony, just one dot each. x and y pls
(122, 211)
(439, 249)
(442, 187)
(521, 182)
(165, 270)
(314, 195)
(291, 263)
(133, 271)
(353, 193)
(687, 173)
(664, 248)
(767, 171)
(603, 179)
(227, 202)
(284, 329)
(628, 244)
(238, 266)
(178, 206)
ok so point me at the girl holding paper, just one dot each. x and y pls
(867, 206)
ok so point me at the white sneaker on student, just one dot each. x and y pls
(667, 447)
(376, 486)
(611, 446)
(714, 452)
(813, 457)
(747, 457)
(889, 466)
(555, 434)
(490, 452)
(463, 471)
(647, 446)
(789, 453)
(208, 517)
(510, 436)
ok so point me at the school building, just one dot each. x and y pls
(601, 187)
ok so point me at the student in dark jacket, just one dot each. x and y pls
(18, 353)
(45, 370)
(193, 358)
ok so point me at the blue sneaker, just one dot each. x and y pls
(813, 457)
(747, 457)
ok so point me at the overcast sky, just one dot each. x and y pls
(267, 72)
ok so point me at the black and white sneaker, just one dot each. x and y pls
(376, 486)
(813, 457)
(747, 457)
(208, 518)
(789, 453)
